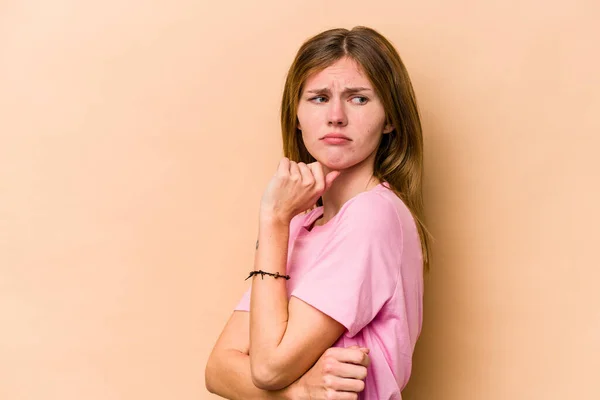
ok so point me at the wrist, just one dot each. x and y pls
(272, 218)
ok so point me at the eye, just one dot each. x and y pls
(317, 99)
(360, 100)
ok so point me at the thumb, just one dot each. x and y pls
(363, 349)
(330, 178)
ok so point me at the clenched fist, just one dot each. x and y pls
(294, 188)
(338, 375)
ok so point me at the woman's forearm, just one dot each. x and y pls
(228, 375)
(269, 301)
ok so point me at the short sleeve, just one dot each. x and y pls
(358, 269)
(244, 303)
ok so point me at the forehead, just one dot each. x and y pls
(345, 71)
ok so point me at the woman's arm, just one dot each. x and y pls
(339, 373)
(285, 339)
(228, 367)
(284, 345)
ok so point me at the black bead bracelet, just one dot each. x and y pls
(263, 273)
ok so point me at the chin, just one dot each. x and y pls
(334, 165)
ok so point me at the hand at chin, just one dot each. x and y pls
(332, 165)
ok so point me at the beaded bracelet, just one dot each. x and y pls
(263, 273)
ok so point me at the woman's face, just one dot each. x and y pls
(340, 101)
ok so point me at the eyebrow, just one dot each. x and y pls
(348, 90)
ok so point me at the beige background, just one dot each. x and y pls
(136, 138)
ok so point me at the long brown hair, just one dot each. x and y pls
(399, 158)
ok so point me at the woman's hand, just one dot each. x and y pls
(339, 374)
(295, 188)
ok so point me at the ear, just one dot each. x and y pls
(388, 128)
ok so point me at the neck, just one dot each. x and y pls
(348, 184)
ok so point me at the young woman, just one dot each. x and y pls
(341, 245)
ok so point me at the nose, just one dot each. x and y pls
(336, 114)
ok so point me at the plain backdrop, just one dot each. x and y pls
(136, 138)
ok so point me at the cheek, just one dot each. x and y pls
(372, 132)
(307, 120)
(301, 116)
(374, 125)
(370, 127)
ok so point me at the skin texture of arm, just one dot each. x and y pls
(338, 375)
(228, 368)
(286, 338)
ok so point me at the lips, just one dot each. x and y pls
(335, 136)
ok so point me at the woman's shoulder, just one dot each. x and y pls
(378, 201)
(377, 210)
(373, 209)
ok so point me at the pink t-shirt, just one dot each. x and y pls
(363, 268)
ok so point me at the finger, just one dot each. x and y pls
(366, 361)
(284, 167)
(317, 170)
(307, 175)
(335, 395)
(294, 171)
(363, 349)
(353, 356)
(349, 371)
(346, 385)
(330, 178)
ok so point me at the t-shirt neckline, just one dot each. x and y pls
(317, 213)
